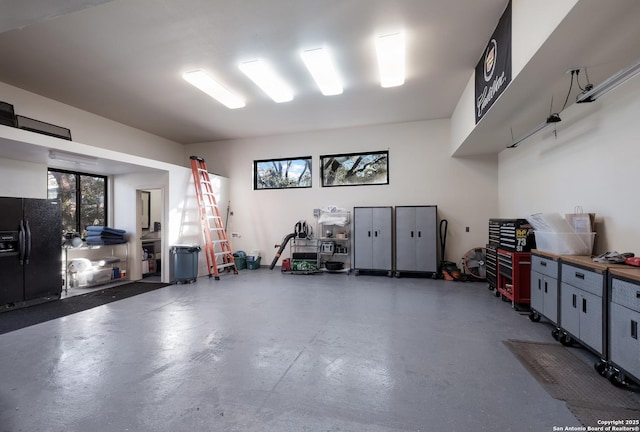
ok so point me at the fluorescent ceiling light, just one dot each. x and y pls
(610, 83)
(322, 70)
(204, 82)
(391, 58)
(72, 157)
(265, 77)
(552, 119)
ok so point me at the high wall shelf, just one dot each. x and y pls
(334, 241)
(88, 266)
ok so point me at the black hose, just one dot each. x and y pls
(444, 224)
(282, 246)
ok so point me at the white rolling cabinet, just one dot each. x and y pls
(416, 239)
(372, 239)
(544, 287)
(582, 302)
(624, 315)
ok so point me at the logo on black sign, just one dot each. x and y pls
(490, 56)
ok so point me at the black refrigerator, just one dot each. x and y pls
(30, 250)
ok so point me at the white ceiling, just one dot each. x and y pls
(123, 59)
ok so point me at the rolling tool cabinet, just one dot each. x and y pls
(514, 235)
(582, 302)
(624, 314)
(545, 297)
(514, 278)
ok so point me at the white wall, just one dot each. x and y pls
(91, 129)
(32, 183)
(533, 21)
(420, 171)
(593, 162)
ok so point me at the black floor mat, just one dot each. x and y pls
(28, 316)
(589, 396)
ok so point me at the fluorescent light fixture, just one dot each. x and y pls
(391, 59)
(323, 70)
(265, 77)
(552, 119)
(73, 157)
(213, 88)
(609, 84)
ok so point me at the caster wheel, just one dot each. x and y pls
(534, 316)
(617, 379)
(489, 287)
(497, 293)
(397, 274)
(356, 272)
(566, 339)
(600, 366)
(504, 298)
(555, 333)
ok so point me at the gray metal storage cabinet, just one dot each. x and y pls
(624, 315)
(544, 287)
(372, 238)
(184, 263)
(582, 306)
(416, 239)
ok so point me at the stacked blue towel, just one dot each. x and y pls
(102, 235)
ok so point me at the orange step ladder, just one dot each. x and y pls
(216, 244)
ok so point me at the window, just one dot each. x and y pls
(83, 199)
(282, 173)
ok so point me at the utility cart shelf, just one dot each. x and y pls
(89, 266)
(334, 242)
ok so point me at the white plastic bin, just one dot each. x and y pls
(565, 243)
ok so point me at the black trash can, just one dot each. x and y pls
(184, 263)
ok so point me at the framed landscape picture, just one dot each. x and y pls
(354, 169)
(282, 173)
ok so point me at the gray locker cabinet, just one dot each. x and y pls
(624, 316)
(416, 240)
(372, 238)
(544, 288)
(582, 304)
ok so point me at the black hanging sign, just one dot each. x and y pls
(493, 71)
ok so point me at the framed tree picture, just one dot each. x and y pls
(282, 173)
(354, 169)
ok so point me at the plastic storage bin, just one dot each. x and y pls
(253, 264)
(565, 243)
(240, 258)
(184, 263)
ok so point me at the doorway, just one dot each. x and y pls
(150, 222)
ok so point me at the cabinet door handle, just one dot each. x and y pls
(375, 233)
(369, 233)
(580, 275)
(634, 329)
(574, 300)
(584, 305)
(543, 263)
(411, 234)
(419, 233)
(545, 286)
(638, 294)
(539, 285)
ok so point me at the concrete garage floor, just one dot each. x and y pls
(266, 351)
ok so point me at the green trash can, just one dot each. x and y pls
(240, 258)
(184, 263)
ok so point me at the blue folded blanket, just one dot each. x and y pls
(95, 229)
